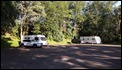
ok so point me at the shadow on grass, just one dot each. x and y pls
(4, 42)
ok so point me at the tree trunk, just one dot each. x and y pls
(27, 25)
(21, 31)
(60, 27)
(21, 27)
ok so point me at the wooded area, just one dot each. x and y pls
(62, 19)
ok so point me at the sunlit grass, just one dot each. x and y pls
(12, 41)
(64, 42)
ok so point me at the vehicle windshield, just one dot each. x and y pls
(43, 38)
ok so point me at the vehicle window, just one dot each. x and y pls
(26, 40)
(36, 38)
(43, 38)
(83, 38)
(27, 37)
(93, 39)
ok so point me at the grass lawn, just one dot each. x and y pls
(9, 41)
(64, 42)
(12, 41)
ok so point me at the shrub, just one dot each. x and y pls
(68, 34)
(58, 37)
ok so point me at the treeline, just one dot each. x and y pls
(62, 19)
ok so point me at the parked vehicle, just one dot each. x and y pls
(90, 39)
(33, 40)
(75, 40)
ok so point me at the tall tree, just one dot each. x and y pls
(78, 16)
(30, 11)
(8, 16)
(99, 20)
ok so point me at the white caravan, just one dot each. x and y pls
(33, 40)
(90, 39)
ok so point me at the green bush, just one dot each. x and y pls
(58, 37)
(68, 34)
(49, 37)
(4, 42)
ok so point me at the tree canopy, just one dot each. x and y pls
(62, 19)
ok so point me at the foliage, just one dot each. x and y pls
(62, 19)
(30, 11)
(8, 16)
(36, 28)
(100, 21)
(64, 42)
(58, 37)
(68, 34)
(4, 42)
(7, 41)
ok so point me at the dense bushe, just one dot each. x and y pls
(62, 19)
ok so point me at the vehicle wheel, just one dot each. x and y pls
(22, 45)
(34, 45)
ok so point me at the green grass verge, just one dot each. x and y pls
(9, 41)
(116, 43)
(64, 42)
(12, 41)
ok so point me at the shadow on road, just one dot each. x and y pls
(61, 57)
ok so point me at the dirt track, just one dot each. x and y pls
(62, 57)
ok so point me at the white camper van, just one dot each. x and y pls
(33, 40)
(90, 39)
